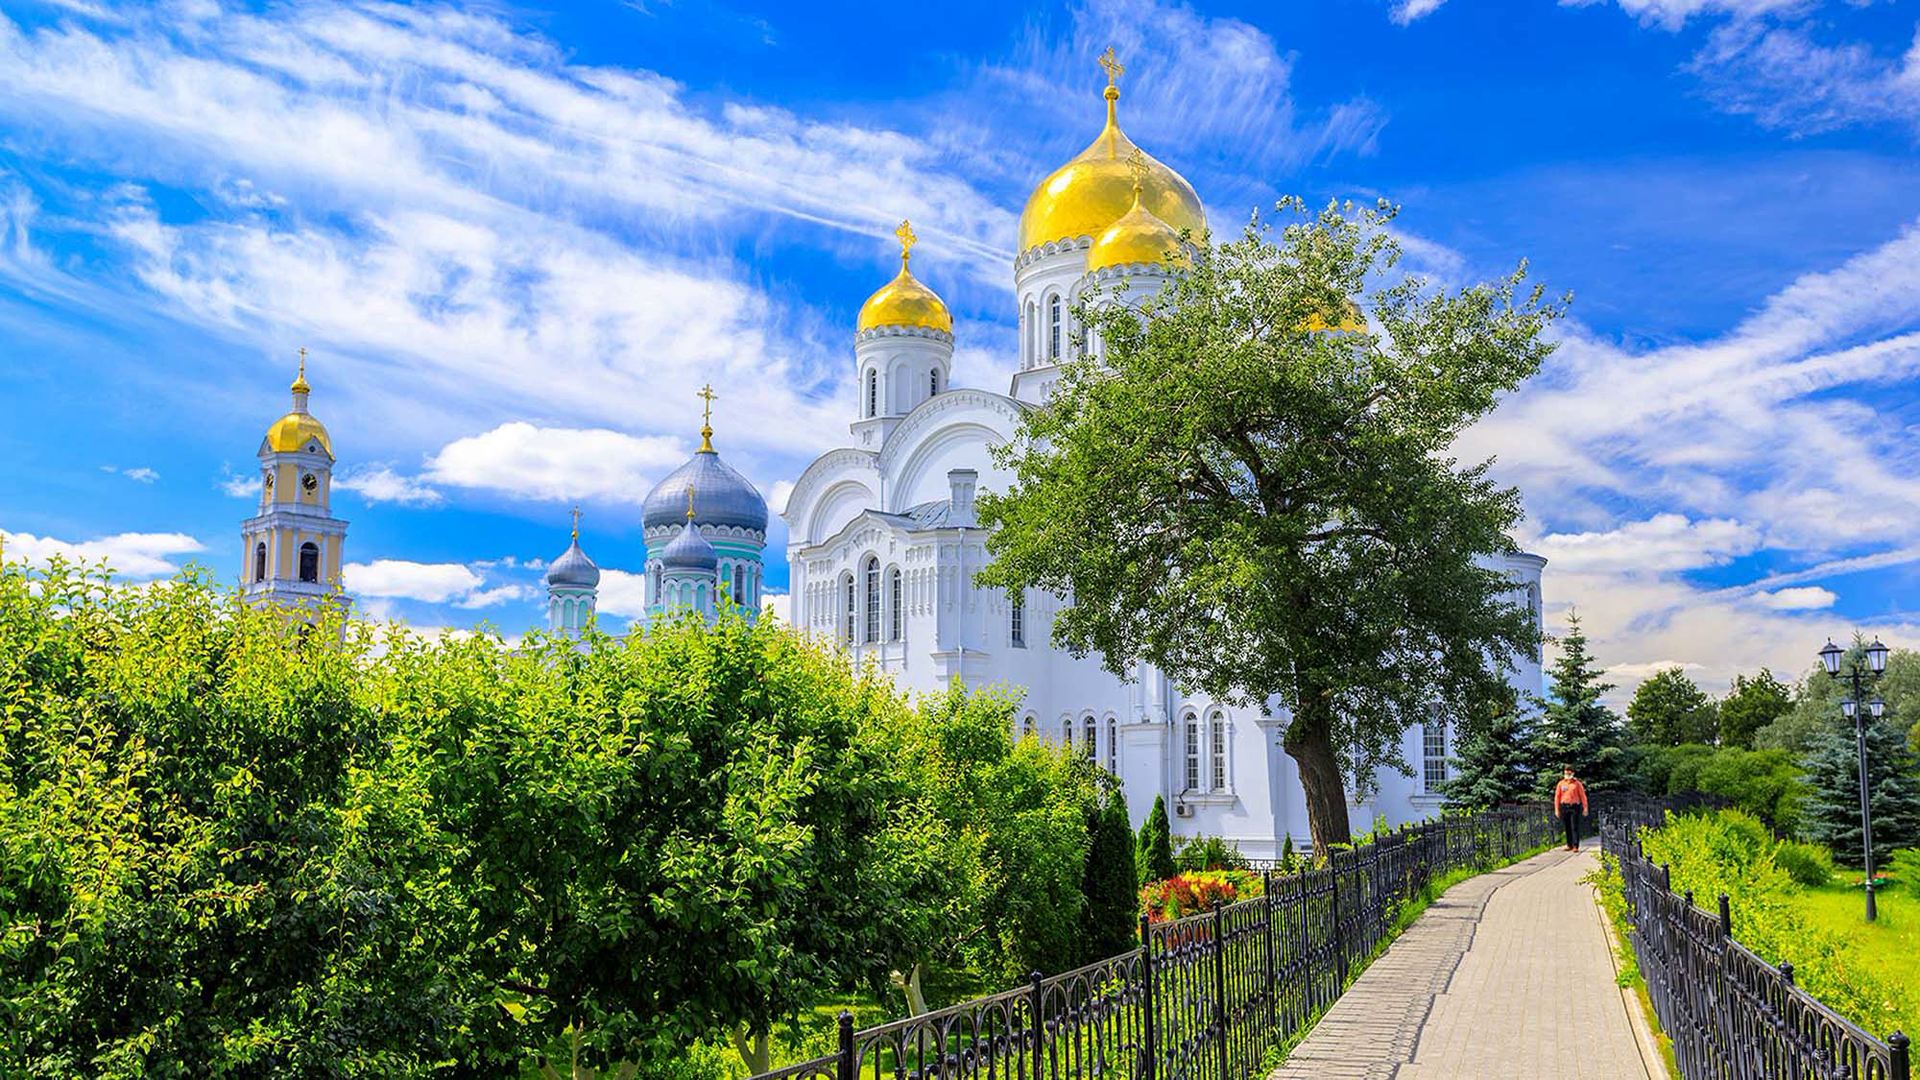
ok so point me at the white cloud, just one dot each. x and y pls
(139, 474)
(132, 555)
(1802, 598)
(1407, 12)
(779, 605)
(1660, 544)
(500, 594)
(399, 579)
(556, 463)
(382, 484)
(1673, 14)
(1785, 79)
(621, 594)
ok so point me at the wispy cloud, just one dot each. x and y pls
(1407, 12)
(139, 474)
(531, 462)
(132, 555)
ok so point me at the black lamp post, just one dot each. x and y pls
(1859, 708)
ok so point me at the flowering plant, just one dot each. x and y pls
(1197, 891)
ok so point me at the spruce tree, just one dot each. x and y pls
(1111, 888)
(1575, 728)
(1830, 814)
(1154, 855)
(1495, 765)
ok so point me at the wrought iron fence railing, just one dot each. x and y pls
(1730, 1014)
(1201, 998)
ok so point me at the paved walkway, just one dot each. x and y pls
(1507, 974)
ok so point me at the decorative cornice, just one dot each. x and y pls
(1052, 247)
(1009, 408)
(926, 332)
(827, 466)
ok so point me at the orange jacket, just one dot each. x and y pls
(1568, 792)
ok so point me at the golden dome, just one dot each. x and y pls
(1093, 190)
(1351, 321)
(293, 431)
(1138, 237)
(904, 301)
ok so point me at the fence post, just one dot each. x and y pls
(1339, 939)
(1146, 975)
(1039, 1028)
(1266, 886)
(1726, 917)
(845, 1067)
(1900, 1068)
(1786, 972)
(1220, 981)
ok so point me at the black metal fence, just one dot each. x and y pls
(1730, 1014)
(1201, 998)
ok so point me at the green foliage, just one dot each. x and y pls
(1495, 765)
(1209, 853)
(1575, 728)
(1816, 701)
(1669, 710)
(1751, 705)
(1732, 852)
(1903, 866)
(1111, 884)
(1764, 783)
(1831, 812)
(1809, 865)
(1153, 857)
(1296, 486)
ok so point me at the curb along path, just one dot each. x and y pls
(1508, 974)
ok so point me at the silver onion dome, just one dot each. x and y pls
(689, 551)
(726, 497)
(573, 569)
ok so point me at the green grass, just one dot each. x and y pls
(1889, 946)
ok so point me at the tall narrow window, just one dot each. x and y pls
(659, 596)
(1433, 750)
(933, 381)
(1066, 732)
(1030, 336)
(1088, 733)
(896, 596)
(1193, 752)
(309, 561)
(1053, 327)
(873, 394)
(260, 562)
(1026, 728)
(1219, 752)
(740, 586)
(1113, 745)
(872, 575)
(1017, 623)
(848, 580)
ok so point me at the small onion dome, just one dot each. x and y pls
(904, 301)
(726, 498)
(294, 431)
(1351, 321)
(1094, 189)
(1138, 237)
(689, 551)
(573, 569)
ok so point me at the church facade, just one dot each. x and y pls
(884, 540)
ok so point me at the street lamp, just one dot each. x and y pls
(1858, 708)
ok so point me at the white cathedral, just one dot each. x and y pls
(884, 542)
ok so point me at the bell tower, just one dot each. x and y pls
(291, 548)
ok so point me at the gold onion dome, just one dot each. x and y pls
(1084, 196)
(904, 301)
(1138, 237)
(295, 430)
(1351, 321)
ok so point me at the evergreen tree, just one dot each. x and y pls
(1154, 855)
(1669, 710)
(1495, 766)
(1752, 704)
(1112, 890)
(1831, 813)
(1575, 728)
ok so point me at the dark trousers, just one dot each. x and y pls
(1570, 821)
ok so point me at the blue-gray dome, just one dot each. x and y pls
(689, 551)
(573, 569)
(721, 496)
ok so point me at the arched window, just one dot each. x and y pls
(933, 381)
(659, 597)
(1088, 733)
(1029, 336)
(1053, 327)
(847, 584)
(1193, 752)
(1017, 623)
(1218, 751)
(1113, 745)
(873, 599)
(1066, 731)
(1026, 727)
(309, 561)
(260, 561)
(896, 595)
(873, 393)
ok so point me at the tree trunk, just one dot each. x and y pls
(909, 985)
(1309, 744)
(753, 1050)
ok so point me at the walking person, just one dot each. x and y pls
(1570, 802)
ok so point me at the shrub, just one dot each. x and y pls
(1197, 891)
(1153, 853)
(1809, 865)
(1209, 853)
(1904, 867)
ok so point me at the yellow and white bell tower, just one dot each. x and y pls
(292, 548)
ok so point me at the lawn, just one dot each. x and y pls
(1888, 946)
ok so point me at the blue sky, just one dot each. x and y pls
(516, 239)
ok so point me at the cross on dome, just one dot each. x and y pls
(907, 239)
(576, 521)
(706, 422)
(1112, 66)
(689, 502)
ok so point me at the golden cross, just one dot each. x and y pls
(1137, 165)
(907, 238)
(706, 418)
(689, 502)
(303, 361)
(1111, 65)
(576, 521)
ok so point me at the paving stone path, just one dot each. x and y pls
(1507, 974)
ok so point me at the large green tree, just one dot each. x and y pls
(1668, 709)
(1750, 705)
(1816, 701)
(1268, 510)
(1495, 764)
(1576, 727)
(1830, 812)
(1110, 883)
